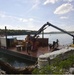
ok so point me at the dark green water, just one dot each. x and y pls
(16, 62)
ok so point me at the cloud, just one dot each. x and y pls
(50, 1)
(31, 19)
(3, 15)
(36, 3)
(68, 0)
(20, 22)
(64, 8)
(31, 26)
(9, 26)
(68, 27)
(63, 17)
(22, 19)
(25, 20)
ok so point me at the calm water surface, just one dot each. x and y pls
(64, 39)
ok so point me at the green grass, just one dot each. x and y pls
(58, 67)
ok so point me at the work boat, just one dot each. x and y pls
(32, 47)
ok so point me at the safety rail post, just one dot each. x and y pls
(6, 36)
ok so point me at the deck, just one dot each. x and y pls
(34, 53)
(19, 49)
(22, 54)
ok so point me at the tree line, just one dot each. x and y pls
(16, 32)
(25, 32)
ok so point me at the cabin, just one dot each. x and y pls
(9, 42)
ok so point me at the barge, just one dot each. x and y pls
(32, 47)
(17, 48)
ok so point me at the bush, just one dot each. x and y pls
(57, 67)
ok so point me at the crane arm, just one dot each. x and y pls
(60, 29)
(40, 30)
(49, 24)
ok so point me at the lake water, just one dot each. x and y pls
(64, 39)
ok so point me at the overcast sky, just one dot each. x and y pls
(32, 14)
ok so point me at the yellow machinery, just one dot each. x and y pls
(72, 45)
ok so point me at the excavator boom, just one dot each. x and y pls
(60, 29)
(40, 30)
(49, 24)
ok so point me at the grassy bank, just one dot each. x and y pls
(58, 67)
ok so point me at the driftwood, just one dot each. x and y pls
(12, 70)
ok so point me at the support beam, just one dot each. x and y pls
(73, 40)
(42, 34)
(6, 36)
